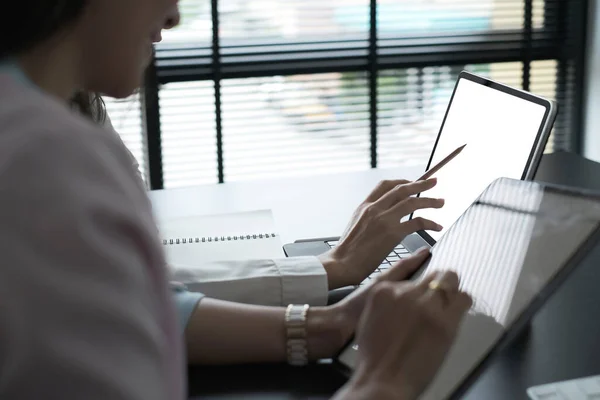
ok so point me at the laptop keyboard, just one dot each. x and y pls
(397, 254)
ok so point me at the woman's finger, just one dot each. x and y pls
(418, 224)
(405, 268)
(441, 289)
(449, 278)
(412, 204)
(461, 304)
(384, 187)
(401, 192)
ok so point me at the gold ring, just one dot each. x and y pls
(438, 286)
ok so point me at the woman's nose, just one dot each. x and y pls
(173, 18)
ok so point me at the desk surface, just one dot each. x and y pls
(302, 207)
(562, 343)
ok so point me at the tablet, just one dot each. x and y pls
(511, 248)
(505, 130)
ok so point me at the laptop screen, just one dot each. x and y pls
(500, 131)
(507, 248)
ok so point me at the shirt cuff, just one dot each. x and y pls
(303, 281)
(186, 303)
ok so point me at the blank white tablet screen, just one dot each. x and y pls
(500, 131)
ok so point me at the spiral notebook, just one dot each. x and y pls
(191, 241)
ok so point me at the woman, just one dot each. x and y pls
(296, 279)
(86, 310)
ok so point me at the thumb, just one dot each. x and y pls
(403, 269)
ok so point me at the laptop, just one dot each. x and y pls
(513, 247)
(506, 131)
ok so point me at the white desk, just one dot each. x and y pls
(303, 208)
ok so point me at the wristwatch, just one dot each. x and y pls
(296, 342)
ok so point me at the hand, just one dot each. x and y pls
(330, 328)
(375, 229)
(404, 335)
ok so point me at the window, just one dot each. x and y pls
(277, 88)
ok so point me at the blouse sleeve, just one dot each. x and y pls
(267, 282)
(185, 302)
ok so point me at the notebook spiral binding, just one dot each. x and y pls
(206, 239)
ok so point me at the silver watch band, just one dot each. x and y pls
(296, 341)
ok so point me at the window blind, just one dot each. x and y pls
(295, 125)
(284, 125)
(126, 118)
(274, 88)
(188, 133)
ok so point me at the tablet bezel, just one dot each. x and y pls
(522, 321)
(535, 156)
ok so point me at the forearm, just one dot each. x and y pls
(222, 332)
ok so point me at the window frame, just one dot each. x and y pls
(562, 38)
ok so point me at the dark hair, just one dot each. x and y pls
(33, 21)
(91, 105)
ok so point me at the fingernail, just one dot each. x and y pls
(423, 251)
(432, 180)
(442, 201)
(439, 227)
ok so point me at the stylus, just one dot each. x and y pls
(439, 165)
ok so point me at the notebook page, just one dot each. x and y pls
(195, 240)
(259, 221)
(194, 254)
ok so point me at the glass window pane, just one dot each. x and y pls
(258, 20)
(295, 125)
(189, 147)
(397, 18)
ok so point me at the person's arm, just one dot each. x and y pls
(272, 282)
(220, 332)
(84, 315)
(225, 333)
(372, 233)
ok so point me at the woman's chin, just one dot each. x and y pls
(124, 88)
(130, 83)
